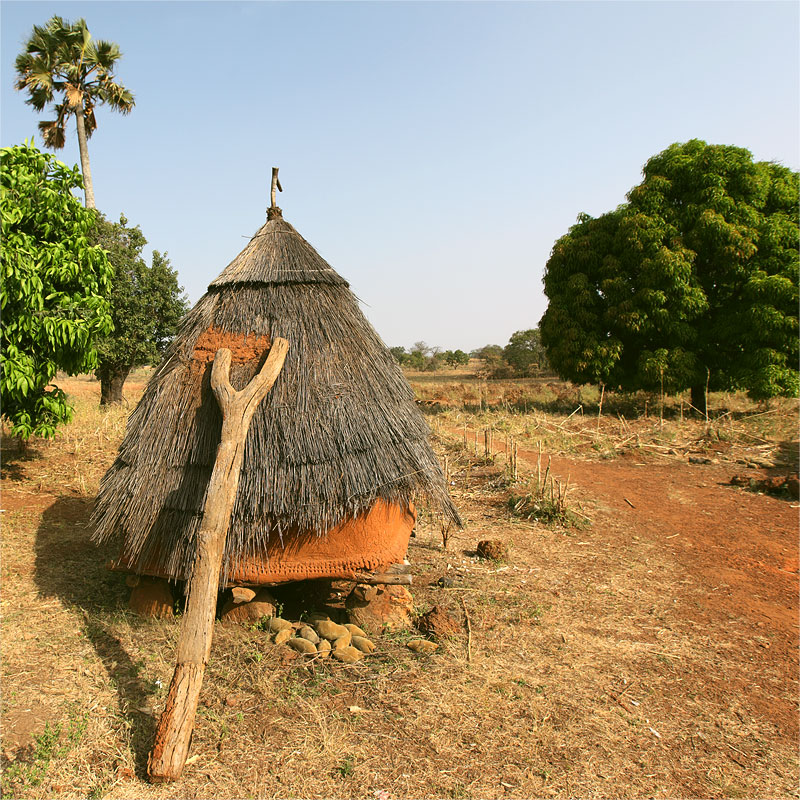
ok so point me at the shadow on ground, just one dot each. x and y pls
(69, 566)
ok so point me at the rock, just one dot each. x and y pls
(700, 460)
(262, 605)
(793, 486)
(438, 623)
(363, 644)
(302, 646)
(282, 636)
(492, 549)
(330, 630)
(423, 647)
(308, 633)
(354, 629)
(365, 593)
(152, 597)
(773, 485)
(348, 655)
(242, 594)
(342, 641)
(740, 480)
(389, 609)
(324, 648)
(276, 624)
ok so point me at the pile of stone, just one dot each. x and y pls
(320, 637)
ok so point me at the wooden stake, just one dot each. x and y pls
(600, 404)
(175, 727)
(276, 184)
(469, 630)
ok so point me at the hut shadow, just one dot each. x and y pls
(71, 567)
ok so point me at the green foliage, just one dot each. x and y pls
(61, 59)
(455, 358)
(399, 354)
(53, 743)
(525, 352)
(52, 295)
(695, 278)
(147, 303)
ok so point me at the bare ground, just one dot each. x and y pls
(651, 654)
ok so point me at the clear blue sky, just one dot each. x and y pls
(431, 152)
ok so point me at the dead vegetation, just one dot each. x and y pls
(593, 661)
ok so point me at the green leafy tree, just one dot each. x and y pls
(525, 352)
(399, 354)
(63, 66)
(691, 283)
(147, 305)
(52, 292)
(455, 358)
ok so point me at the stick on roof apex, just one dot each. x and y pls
(273, 211)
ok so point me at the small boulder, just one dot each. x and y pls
(330, 630)
(308, 633)
(262, 605)
(389, 608)
(348, 655)
(282, 636)
(276, 624)
(363, 644)
(493, 549)
(342, 641)
(242, 594)
(302, 646)
(324, 648)
(423, 647)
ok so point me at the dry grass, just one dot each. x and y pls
(590, 672)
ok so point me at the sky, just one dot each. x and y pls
(432, 152)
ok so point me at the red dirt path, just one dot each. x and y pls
(740, 547)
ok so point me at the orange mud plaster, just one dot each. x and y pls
(370, 542)
(244, 348)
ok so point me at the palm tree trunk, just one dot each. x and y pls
(85, 167)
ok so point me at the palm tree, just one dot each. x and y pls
(61, 58)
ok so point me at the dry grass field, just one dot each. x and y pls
(644, 644)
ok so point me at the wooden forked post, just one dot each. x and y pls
(175, 727)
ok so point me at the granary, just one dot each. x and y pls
(336, 454)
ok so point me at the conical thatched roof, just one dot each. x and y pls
(338, 430)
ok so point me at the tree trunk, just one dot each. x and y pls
(699, 399)
(174, 731)
(112, 379)
(84, 150)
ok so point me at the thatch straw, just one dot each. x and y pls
(338, 430)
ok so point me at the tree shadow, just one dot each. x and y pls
(71, 567)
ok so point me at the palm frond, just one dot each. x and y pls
(118, 97)
(89, 119)
(105, 54)
(73, 94)
(52, 134)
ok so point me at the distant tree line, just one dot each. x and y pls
(523, 357)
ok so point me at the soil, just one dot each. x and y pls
(739, 547)
(653, 653)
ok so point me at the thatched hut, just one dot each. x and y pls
(335, 456)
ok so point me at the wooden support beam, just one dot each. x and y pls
(175, 727)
